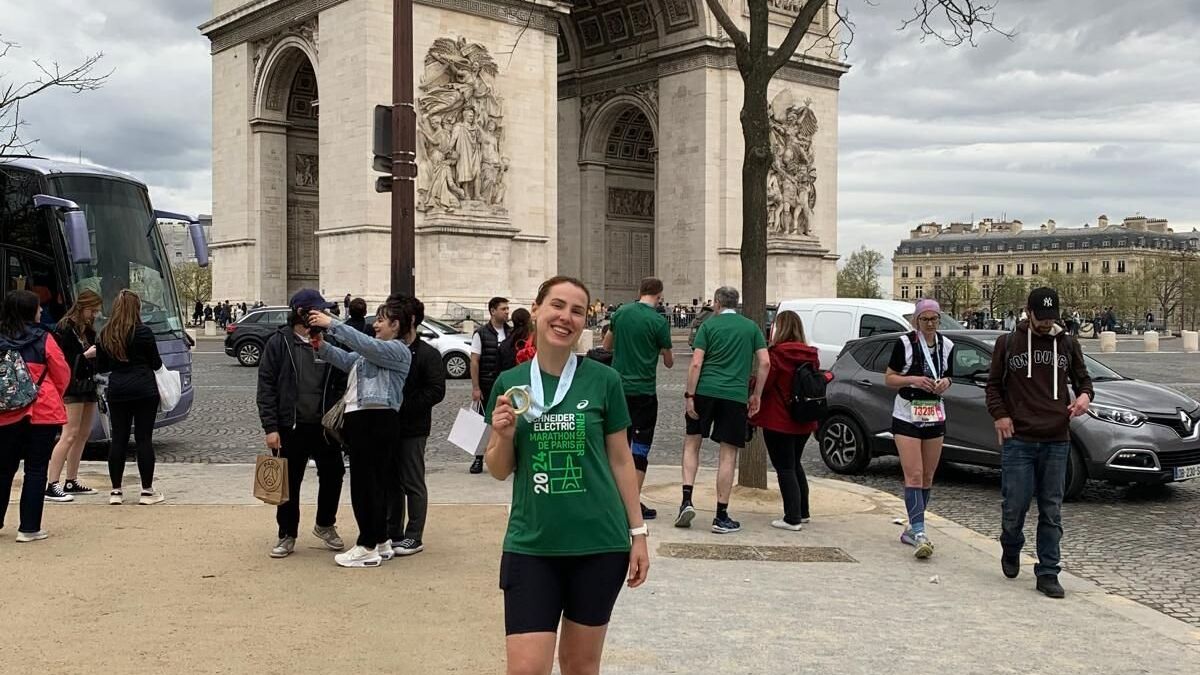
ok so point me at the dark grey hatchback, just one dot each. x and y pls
(1135, 432)
(245, 339)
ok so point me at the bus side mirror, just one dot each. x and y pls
(199, 243)
(75, 227)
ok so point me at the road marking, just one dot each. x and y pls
(222, 353)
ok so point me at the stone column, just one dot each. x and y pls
(593, 204)
(268, 207)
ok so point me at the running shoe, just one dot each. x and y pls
(329, 535)
(150, 497)
(686, 514)
(908, 537)
(284, 548)
(648, 513)
(25, 537)
(477, 465)
(74, 487)
(116, 498)
(408, 547)
(785, 525)
(725, 525)
(359, 556)
(924, 546)
(54, 493)
(385, 551)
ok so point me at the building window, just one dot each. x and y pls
(904, 292)
(1120, 267)
(1087, 243)
(1085, 267)
(1104, 267)
(1020, 247)
(920, 271)
(1054, 245)
(1000, 270)
(905, 250)
(954, 249)
(937, 249)
(937, 271)
(1141, 242)
(986, 269)
(1106, 243)
(1070, 268)
(967, 248)
(953, 270)
(987, 292)
(919, 250)
(1122, 243)
(920, 291)
(904, 272)
(1020, 269)
(1070, 244)
(986, 248)
(966, 270)
(1033, 268)
(1001, 247)
(1053, 267)
(1037, 245)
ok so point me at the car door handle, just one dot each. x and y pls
(866, 384)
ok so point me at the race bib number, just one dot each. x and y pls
(928, 411)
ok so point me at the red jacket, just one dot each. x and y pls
(48, 409)
(773, 412)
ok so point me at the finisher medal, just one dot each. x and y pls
(520, 399)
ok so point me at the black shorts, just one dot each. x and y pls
(924, 432)
(539, 590)
(643, 417)
(722, 420)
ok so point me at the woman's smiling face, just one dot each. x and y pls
(561, 316)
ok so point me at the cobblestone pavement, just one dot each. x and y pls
(1139, 543)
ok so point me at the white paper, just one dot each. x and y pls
(470, 432)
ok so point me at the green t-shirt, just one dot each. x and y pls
(640, 334)
(565, 500)
(729, 342)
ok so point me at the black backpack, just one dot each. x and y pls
(807, 402)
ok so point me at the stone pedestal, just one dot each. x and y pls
(1150, 340)
(210, 328)
(1108, 342)
(1191, 341)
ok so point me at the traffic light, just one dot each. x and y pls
(382, 146)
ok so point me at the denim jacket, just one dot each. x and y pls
(382, 364)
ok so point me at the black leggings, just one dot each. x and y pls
(140, 415)
(785, 451)
(371, 436)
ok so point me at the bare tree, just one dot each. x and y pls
(79, 78)
(953, 22)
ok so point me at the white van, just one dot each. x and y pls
(829, 323)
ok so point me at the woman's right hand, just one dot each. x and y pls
(504, 418)
(923, 383)
(90, 352)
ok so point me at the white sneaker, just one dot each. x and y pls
(150, 497)
(359, 556)
(116, 498)
(25, 537)
(385, 550)
(785, 525)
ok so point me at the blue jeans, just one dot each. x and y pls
(34, 444)
(1028, 470)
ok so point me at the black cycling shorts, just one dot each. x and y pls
(722, 420)
(924, 432)
(643, 417)
(540, 590)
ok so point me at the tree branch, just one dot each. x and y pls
(77, 79)
(953, 22)
(739, 38)
(796, 33)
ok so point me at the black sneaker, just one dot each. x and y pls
(725, 525)
(408, 547)
(686, 513)
(1049, 586)
(477, 465)
(649, 513)
(54, 493)
(74, 487)
(1011, 565)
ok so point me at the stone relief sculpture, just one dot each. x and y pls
(791, 181)
(631, 203)
(306, 171)
(460, 121)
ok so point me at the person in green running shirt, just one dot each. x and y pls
(575, 530)
(637, 336)
(716, 402)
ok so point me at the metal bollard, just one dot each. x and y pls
(1150, 340)
(1191, 341)
(1108, 342)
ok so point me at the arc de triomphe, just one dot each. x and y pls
(598, 138)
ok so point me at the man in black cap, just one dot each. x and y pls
(295, 390)
(1027, 396)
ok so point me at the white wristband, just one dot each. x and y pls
(643, 530)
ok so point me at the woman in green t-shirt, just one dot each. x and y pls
(575, 530)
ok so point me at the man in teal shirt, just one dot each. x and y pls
(718, 400)
(637, 336)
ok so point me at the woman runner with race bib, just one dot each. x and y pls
(575, 530)
(920, 369)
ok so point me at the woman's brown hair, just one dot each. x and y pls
(126, 316)
(788, 328)
(73, 319)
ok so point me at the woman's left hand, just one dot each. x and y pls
(319, 319)
(90, 353)
(942, 385)
(639, 562)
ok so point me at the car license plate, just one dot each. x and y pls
(1187, 472)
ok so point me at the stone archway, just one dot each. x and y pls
(303, 202)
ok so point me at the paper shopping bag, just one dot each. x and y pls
(470, 432)
(271, 479)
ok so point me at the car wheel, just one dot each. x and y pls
(456, 366)
(844, 446)
(1076, 475)
(249, 353)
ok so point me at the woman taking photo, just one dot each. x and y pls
(128, 351)
(377, 369)
(31, 410)
(77, 339)
(575, 530)
(920, 369)
(785, 437)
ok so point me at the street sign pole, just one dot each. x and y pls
(404, 155)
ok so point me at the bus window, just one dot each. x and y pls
(21, 224)
(30, 272)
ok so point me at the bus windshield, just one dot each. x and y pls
(126, 249)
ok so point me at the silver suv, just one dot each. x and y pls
(1135, 432)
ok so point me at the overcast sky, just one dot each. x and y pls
(1076, 116)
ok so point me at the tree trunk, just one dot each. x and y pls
(756, 132)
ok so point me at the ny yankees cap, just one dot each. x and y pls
(1043, 302)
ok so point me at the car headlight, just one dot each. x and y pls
(1123, 416)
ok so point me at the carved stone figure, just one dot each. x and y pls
(306, 171)
(460, 118)
(791, 181)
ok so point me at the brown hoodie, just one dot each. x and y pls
(1031, 391)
